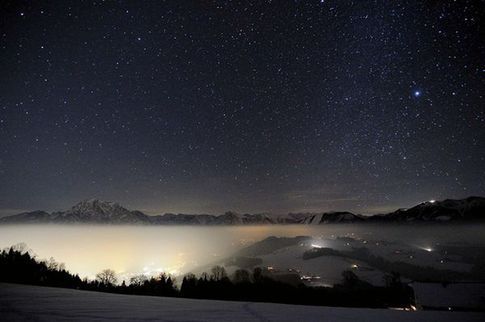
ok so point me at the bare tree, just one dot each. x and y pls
(204, 276)
(107, 277)
(52, 264)
(138, 280)
(218, 273)
(20, 247)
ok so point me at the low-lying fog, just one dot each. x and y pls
(131, 250)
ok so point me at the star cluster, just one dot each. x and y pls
(207, 106)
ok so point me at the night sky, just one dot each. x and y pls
(251, 106)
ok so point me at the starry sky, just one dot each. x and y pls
(250, 106)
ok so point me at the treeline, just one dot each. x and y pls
(256, 286)
(18, 266)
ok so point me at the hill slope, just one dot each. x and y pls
(470, 209)
(27, 303)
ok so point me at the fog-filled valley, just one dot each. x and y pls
(131, 250)
(412, 266)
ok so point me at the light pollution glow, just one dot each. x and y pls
(133, 250)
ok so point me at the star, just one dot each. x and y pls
(177, 90)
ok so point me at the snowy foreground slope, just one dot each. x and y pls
(24, 302)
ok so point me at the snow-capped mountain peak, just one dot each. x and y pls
(95, 211)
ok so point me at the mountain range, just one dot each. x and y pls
(93, 211)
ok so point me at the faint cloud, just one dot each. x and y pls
(323, 199)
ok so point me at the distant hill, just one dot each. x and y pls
(93, 211)
(471, 209)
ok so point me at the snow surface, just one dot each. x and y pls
(24, 302)
(461, 295)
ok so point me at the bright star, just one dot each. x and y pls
(417, 93)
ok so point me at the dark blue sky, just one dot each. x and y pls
(207, 106)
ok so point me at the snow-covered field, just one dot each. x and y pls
(34, 303)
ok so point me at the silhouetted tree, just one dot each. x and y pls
(350, 279)
(189, 285)
(204, 276)
(241, 276)
(21, 267)
(107, 277)
(166, 283)
(52, 264)
(393, 280)
(218, 273)
(138, 280)
(257, 275)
